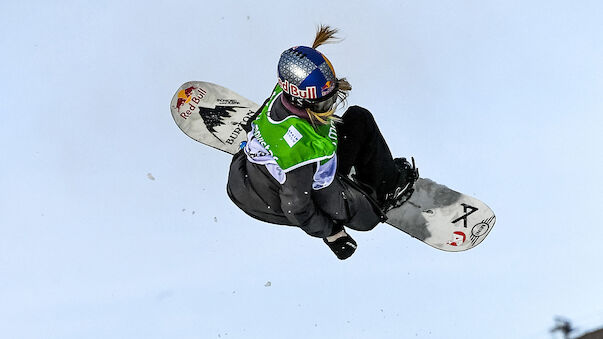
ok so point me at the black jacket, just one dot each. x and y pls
(254, 190)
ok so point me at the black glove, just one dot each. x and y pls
(343, 247)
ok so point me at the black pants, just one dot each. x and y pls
(362, 146)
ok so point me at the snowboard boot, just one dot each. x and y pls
(407, 175)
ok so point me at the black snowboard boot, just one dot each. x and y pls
(408, 174)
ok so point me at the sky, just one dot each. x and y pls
(114, 224)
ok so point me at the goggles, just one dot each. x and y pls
(326, 104)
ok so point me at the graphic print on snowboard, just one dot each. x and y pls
(212, 115)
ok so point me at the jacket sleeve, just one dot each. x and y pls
(299, 207)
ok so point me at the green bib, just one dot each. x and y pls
(294, 142)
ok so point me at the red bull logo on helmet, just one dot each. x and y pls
(327, 88)
(308, 93)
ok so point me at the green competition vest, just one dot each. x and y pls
(294, 142)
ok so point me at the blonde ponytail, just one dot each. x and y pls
(325, 35)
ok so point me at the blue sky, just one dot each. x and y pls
(497, 99)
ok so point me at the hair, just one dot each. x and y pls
(325, 34)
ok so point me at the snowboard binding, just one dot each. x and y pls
(408, 174)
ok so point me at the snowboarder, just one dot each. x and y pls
(295, 167)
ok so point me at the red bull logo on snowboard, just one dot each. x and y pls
(188, 98)
(184, 96)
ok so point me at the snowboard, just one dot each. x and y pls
(435, 214)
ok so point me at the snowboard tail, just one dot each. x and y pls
(442, 217)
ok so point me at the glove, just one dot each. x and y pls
(343, 246)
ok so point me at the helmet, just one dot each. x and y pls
(306, 76)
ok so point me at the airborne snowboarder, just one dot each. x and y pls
(295, 165)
